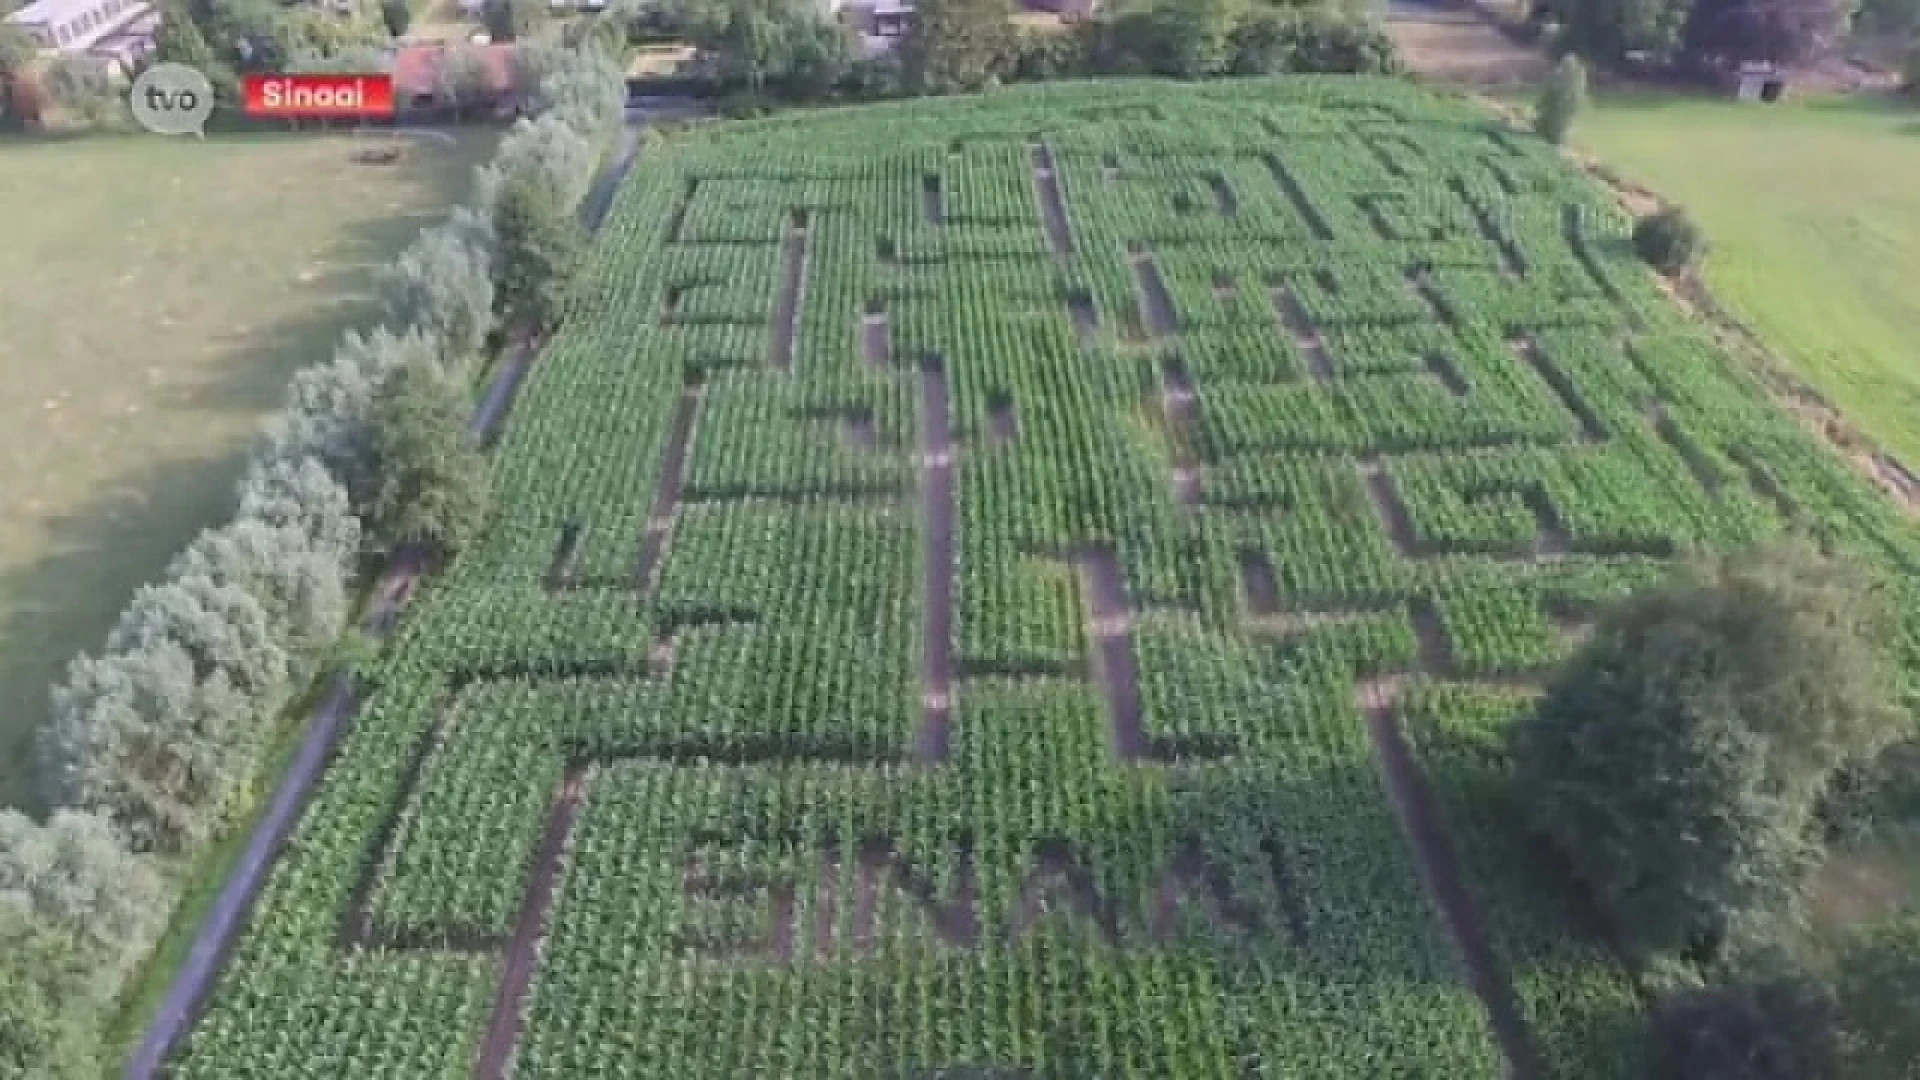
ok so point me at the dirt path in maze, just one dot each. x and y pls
(937, 514)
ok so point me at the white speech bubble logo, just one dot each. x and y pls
(172, 99)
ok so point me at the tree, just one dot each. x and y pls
(17, 50)
(1778, 1027)
(1878, 985)
(542, 247)
(509, 20)
(300, 585)
(73, 876)
(821, 55)
(1609, 30)
(442, 286)
(1669, 241)
(81, 87)
(1677, 760)
(47, 1029)
(1725, 33)
(957, 45)
(398, 15)
(1561, 101)
(433, 478)
(464, 79)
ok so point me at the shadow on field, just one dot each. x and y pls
(123, 536)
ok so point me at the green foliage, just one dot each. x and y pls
(433, 478)
(541, 247)
(1678, 758)
(46, 1029)
(1610, 30)
(1669, 240)
(957, 45)
(1561, 100)
(82, 88)
(397, 15)
(16, 48)
(1911, 69)
(1779, 1027)
(510, 20)
(1877, 979)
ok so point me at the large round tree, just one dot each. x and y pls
(1677, 759)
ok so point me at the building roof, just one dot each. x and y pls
(416, 68)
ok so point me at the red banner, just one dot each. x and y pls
(319, 96)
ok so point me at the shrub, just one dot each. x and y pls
(1561, 101)
(1781, 1027)
(1669, 240)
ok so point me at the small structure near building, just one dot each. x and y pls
(1760, 82)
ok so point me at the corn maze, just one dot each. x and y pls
(1028, 586)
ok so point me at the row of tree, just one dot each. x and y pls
(1685, 766)
(157, 740)
(792, 49)
(1697, 35)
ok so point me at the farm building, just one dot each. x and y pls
(76, 25)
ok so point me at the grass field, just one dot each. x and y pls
(1814, 217)
(1035, 582)
(156, 297)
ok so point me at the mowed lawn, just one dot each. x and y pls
(1813, 211)
(156, 295)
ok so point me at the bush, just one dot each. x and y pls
(1562, 100)
(1878, 984)
(1776, 1028)
(1669, 241)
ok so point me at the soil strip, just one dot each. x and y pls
(1291, 189)
(1110, 167)
(858, 430)
(1056, 878)
(1696, 461)
(1003, 418)
(1510, 256)
(936, 495)
(932, 199)
(793, 285)
(876, 339)
(1223, 195)
(1386, 501)
(1528, 349)
(1259, 588)
(1551, 540)
(1086, 320)
(1439, 872)
(678, 220)
(1436, 655)
(566, 557)
(1441, 367)
(1306, 337)
(666, 497)
(522, 956)
(1110, 622)
(1422, 286)
(1156, 304)
(1053, 210)
(1181, 408)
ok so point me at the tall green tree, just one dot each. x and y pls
(540, 248)
(397, 15)
(433, 479)
(1678, 759)
(957, 45)
(1561, 100)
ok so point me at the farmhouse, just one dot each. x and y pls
(77, 26)
(419, 77)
